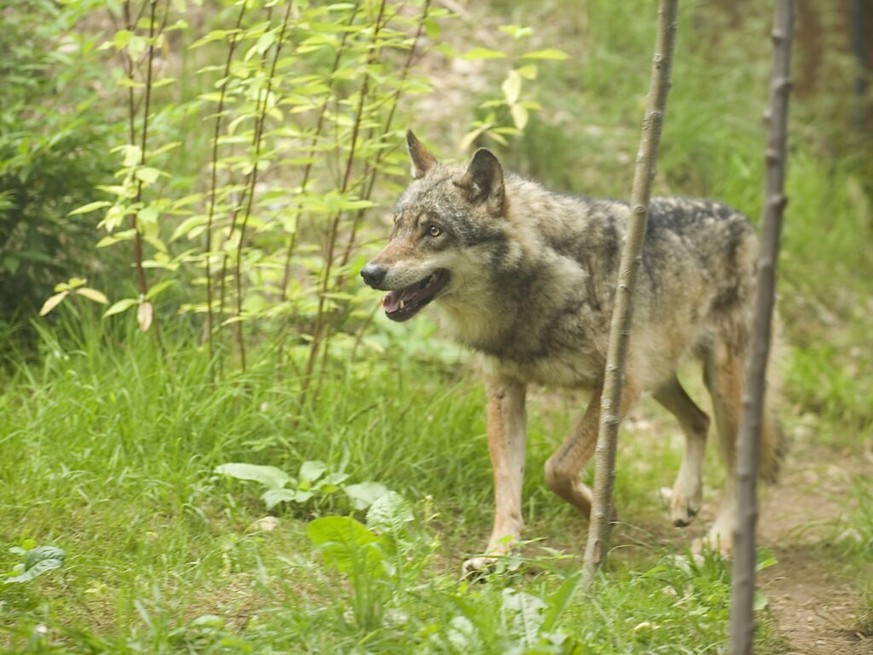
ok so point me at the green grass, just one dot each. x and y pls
(112, 459)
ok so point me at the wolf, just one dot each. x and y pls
(527, 277)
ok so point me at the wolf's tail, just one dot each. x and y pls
(774, 443)
(724, 376)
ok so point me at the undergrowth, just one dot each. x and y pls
(114, 462)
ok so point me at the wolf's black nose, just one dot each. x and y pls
(374, 275)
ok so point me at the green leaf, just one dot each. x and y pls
(114, 217)
(38, 561)
(560, 600)
(761, 602)
(42, 553)
(549, 54)
(53, 302)
(110, 239)
(265, 41)
(519, 116)
(11, 263)
(148, 214)
(347, 546)
(525, 611)
(120, 306)
(90, 207)
(365, 494)
(189, 224)
(512, 87)
(132, 154)
(147, 174)
(765, 559)
(310, 471)
(136, 46)
(483, 53)
(528, 72)
(158, 288)
(389, 513)
(269, 476)
(335, 478)
(432, 28)
(214, 35)
(516, 31)
(121, 39)
(92, 294)
(273, 497)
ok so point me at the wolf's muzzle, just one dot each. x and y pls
(374, 275)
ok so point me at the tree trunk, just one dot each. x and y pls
(742, 627)
(611, 406)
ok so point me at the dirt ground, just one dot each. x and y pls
(817, 609)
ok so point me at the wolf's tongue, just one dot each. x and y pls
(391, 302)
(394, 299)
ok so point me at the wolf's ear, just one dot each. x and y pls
(483, 181)
(421, 158)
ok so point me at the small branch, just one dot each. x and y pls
(307, 172)
(213, 186)
(372, 171)
(742, 627)
(631, 256)
(137, 244)
(142, 281)
(321, 325)
(260, 121)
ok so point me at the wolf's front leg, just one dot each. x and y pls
(507, 424)
(565, 465)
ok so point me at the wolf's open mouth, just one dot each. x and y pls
(403, 304)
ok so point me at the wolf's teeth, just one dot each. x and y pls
(402, 304)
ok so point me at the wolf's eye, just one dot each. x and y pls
(434, 231)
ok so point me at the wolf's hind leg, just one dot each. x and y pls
(723, 375)
(507, 438)
(563, 468)
(687, 494)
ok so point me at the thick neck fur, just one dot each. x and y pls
(533, 283)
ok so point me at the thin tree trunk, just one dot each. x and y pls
(742, 628)
(631, 256)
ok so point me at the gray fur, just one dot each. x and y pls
(533, 278)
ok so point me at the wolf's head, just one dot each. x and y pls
(442, 223)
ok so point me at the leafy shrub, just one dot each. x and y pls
(243, 193)
(53, 138)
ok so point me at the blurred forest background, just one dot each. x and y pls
(188, 190)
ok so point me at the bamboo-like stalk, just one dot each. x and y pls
(239, 203)
(631, 256)
(252, 180)
(307, 173)
(372, 171)
(139, 268)
(319, 332)
(213, 185)
(742, 626)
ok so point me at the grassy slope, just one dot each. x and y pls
(112, 460)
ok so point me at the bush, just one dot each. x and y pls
(53, 140)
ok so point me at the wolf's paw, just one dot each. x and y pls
(713, 542)
(477, 568)
(683, 508)
(495, 557)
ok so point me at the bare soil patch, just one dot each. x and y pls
(817, 608)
